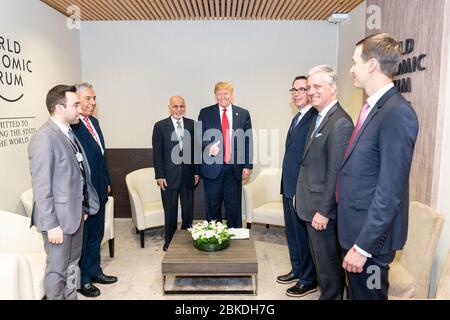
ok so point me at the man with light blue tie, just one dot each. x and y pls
(315, 195)
(302, 273)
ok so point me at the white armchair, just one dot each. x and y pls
(22, 259)
(262, 199)
(145, 200)
(27, 201)
(409, 275)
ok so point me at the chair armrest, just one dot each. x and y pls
(109, 216)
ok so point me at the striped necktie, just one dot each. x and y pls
(87, 122)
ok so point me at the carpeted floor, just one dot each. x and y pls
(139, 270)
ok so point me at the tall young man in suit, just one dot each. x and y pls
(227, 144)
(91, 138)
(62, 191)
(315, 194)
(373, 193)
(302, 272)
(175, 171)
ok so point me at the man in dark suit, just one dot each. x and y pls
(315, 194)
(373, 190)
(62, 191)
(90, 135)
(302, 272)
(175, 171)
(227, 144)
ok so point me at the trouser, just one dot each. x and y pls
(94, 229)
(227, 188)
(298, 244)
(170, 204)
(61, 271)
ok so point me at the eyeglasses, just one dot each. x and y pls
(299, 90)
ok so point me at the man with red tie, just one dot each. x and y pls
(372, 193)
(227, 155)
(90, 135)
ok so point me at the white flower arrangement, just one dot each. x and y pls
(210, 232)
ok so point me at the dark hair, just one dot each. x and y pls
(385, 49)
(299, 78)
(57, 95)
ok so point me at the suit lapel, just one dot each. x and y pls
(369, 118)
(99, 132)
(321, 126)
(64, 141)
(290, 136)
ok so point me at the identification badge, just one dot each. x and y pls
(79, 156)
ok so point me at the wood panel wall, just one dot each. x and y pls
(123, 161)
(422, 21)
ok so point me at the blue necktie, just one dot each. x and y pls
(295, 121)
(316, 126)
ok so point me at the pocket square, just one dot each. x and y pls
(317, 135)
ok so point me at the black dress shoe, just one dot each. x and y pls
(104, 279)
(165, 247)
(300, 290)
(287, 278)
(89, 290)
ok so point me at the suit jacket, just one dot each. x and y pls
(165, 144)
(293, 153)
(57, 181)
(99, 171)
(374, 178)
(241, 144)
(322, 159)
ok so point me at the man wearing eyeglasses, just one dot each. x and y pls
(302, 272)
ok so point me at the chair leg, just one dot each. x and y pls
(137, 231)
(267, 226)
(142, 238)
(111, 247)
(249, 225)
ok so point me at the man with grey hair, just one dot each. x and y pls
(90, 135)
(315, 195)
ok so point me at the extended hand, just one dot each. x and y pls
(319, 222)
(354, 261)
(245, 174)
(214, 150)
(55, 235)
(162, 184)
(85, 216)
(196, 179)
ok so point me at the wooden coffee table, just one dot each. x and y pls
(182, 259)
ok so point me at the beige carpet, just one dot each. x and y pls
(139, 270)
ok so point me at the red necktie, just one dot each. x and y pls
(90, 129)
(226, 137)
(362, 116)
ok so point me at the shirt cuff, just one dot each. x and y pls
(361, 251)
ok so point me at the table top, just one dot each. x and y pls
(182, 258)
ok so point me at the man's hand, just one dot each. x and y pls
(162, 184)
(85, 216)
(214, 150)
(245, 173)
(55, 235)
(196, 179)
(319, 222)
(354, 261)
